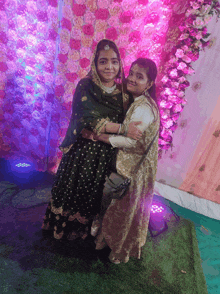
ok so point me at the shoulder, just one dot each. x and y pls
(119, 86)
(143, 106)
(85, 83)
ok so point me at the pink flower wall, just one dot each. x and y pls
(139, 28)
(28, 34)
(46, 48)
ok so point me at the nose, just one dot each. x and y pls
(131, 79)
(109, 65)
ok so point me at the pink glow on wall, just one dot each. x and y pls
(45, 49)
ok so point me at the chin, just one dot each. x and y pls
(130, 89)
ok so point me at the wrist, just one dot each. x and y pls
(124, 130)
(119, 130)
(95, 137)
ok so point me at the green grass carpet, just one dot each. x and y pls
(170, 264)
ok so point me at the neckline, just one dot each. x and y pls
(108, 89)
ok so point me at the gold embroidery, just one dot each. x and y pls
(84, 98)
(100, 124)
(58, 236)
(55, 210)
(121, 214)
(65, 149)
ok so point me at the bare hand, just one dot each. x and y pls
(87, 134)
(133, 131)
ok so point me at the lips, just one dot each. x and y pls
(131, 84)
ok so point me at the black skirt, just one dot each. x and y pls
(77, 190)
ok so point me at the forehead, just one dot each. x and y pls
(138, 69)
(107, 54)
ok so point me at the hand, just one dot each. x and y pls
(88, 134)
(133, 131)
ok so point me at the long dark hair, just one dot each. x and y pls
(151, 71)
(101, 46)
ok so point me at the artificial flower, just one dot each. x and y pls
(72, 66)
(66, 23)
(79, 9)
(87, 41)
(89, 17)
(111, 33)
(102, 14)
(126, 17)
(135, 36)
(100, 26)
(103, 3)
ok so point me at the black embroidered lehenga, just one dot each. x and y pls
(77, 190)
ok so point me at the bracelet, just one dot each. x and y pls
(119, 130)
(122, 131)
(126, 131)
(93, 139)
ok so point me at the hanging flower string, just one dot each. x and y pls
(191, 41)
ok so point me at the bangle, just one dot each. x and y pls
(93, 139)
(126, 131)
(119, 130)
(122, 131)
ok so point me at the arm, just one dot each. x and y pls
(146, 116)
(132, 131)
(143, 113)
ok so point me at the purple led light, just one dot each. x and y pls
(155, 208)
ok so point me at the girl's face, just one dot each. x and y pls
(137, 81)
(108, 66)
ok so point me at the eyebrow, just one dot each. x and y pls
(139, 73)
(115, 58)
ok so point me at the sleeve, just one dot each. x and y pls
(90, 112)
(86, 112)
(141, 113)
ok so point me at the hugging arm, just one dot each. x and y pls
(143, 113)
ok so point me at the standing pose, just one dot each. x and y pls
(125, 223)
(99, 104)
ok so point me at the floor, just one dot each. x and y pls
(20, 191)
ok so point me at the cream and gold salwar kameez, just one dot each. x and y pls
(125, 223)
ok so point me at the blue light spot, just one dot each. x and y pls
(22, 165)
